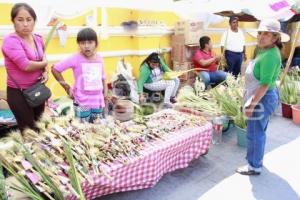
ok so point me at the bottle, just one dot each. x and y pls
(217, 130)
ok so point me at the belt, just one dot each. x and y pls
(234, 52)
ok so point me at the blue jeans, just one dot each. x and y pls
(234, 62)
(257, 126)
(212, 77)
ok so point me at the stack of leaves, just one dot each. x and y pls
(53, 163)
(230, 99)
(196, 100)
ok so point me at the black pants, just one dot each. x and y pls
(24, 114)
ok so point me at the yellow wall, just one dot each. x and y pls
(115, 16)
(5, 13)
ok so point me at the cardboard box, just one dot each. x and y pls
(191, 30)
(180, 51)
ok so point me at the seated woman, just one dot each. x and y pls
(151, 73)
(206, 58)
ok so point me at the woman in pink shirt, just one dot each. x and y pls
(89, 89)
(25, 64)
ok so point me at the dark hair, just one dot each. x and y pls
(232, 18)
(18, 6)
(153, 57)
(203, 41)
(278, 42)
(87, 34)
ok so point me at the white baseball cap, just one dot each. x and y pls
(270, 25)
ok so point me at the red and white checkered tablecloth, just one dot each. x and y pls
(157, 159)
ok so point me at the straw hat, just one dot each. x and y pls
(270, 25)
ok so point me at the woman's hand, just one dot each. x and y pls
(45, 77)
(142, 98)
(249, 111)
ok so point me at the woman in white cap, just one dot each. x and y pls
(261, 95)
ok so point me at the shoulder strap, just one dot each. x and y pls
(36, 47)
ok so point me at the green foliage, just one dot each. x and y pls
(289, 92)
(72, 172)
(3, 192)
(25, 187)
(46, 178)
(50, 35)
(230, 99)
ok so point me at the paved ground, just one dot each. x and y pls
(212, 177)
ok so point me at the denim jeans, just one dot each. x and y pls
(212, 77)
(257, 126)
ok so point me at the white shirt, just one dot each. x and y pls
(235, 41)
(156, 74)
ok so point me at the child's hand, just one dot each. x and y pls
(106, 100)
(69, 91)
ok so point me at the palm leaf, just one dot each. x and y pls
(50, 35)
(25, 187)
(3, 192)
(72, 172)
(55, 189)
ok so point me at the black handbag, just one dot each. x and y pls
(37, 94)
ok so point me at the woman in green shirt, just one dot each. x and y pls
(151, 77)
(261, 95)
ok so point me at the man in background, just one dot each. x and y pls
(233, 43)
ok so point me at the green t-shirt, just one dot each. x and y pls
(267, 66)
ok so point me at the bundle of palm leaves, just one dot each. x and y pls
(53, 163)
(230, 99)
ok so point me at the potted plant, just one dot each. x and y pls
(288, 96)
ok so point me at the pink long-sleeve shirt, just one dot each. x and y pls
(17, 55)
